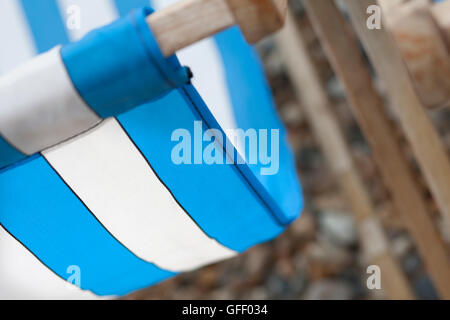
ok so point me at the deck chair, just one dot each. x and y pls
(105, 211)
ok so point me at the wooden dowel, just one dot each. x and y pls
(419, 130)
(308, 86)
(342, 49)
(189, 21)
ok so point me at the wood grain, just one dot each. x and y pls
(189, 21)
(258, 18)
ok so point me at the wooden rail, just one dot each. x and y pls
(313, 96)
(417, 126)
(189, 21)
(344, 53)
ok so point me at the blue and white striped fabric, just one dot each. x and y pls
(99, 191)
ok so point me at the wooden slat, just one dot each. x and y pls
(344, 54)
(418, 128)
(189, 21)
(314, 98)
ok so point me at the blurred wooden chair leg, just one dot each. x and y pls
(314, 98)
(418, 128)
(344, 54)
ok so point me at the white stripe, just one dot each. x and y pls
(93, 14)
(15, 36)
(39, 105)
(116, 183)
(161, 4)
(22, 276)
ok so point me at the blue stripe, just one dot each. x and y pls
(254, 108)
(38, 209)
(46, 23)
(217, 197)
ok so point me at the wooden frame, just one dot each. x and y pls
(373, 240)
(344, 54)
(417, 126)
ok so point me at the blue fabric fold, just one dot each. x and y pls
(128, 64)
(9, 154)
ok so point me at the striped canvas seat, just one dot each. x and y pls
(107, 209)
